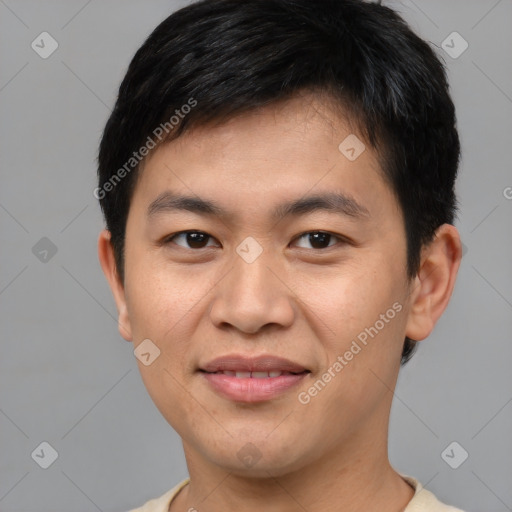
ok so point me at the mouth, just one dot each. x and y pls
(247, 379)
(256, 366)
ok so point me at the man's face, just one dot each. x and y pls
(288, 291)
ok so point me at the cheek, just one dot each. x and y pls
(347, 299)
(363, 310)
(362, 356)
(159, 297)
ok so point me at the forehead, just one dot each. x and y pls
(283, 151)
(291, 126)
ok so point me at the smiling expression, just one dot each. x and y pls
(259, 238)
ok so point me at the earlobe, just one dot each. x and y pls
(434, 284)
(108, 264)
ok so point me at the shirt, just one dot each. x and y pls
(422, 501)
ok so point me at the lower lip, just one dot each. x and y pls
(252, 389)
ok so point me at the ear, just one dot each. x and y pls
(108, 264)
(432, 288)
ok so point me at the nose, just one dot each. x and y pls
(253, 296)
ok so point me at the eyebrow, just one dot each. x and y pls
(332, 202)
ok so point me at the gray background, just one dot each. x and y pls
(66, 375)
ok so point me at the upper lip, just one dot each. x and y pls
(241, 363)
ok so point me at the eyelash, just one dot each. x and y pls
(340, 238)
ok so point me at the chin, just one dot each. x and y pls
(258, 458)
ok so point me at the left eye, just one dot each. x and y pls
(318, 239)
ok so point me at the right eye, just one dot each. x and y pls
(194, 239)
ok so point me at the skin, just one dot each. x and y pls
(295, 300)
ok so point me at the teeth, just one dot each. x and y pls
(259, 375)
(254, 375)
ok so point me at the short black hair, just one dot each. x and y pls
(214, 59)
